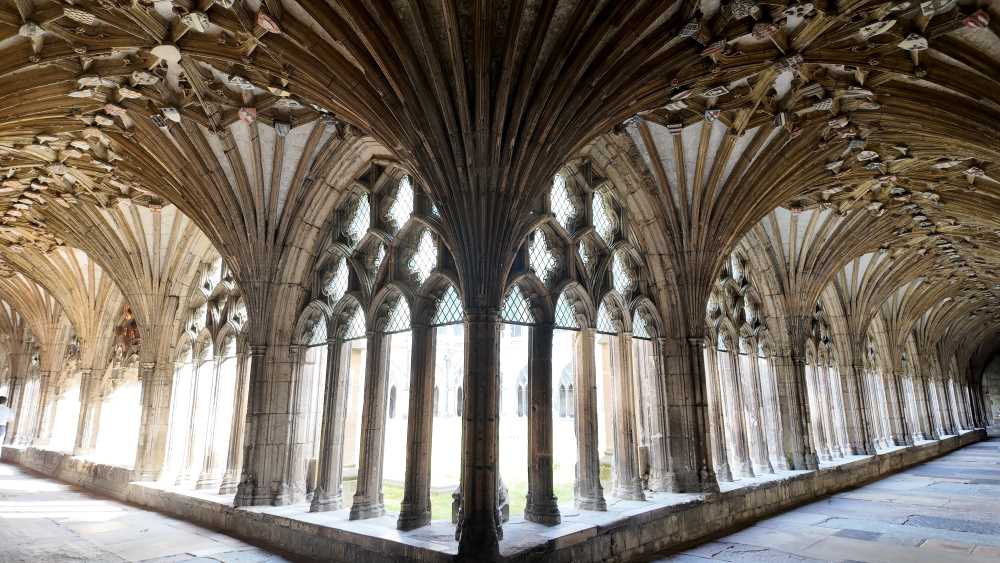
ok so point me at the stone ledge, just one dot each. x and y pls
(630, 529)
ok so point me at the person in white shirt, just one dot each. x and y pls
(6, 415)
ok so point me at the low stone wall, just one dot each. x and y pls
(655, 530)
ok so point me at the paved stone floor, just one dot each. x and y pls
(42, 520)
(945, 510)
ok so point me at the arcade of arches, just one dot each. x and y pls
(436, 268)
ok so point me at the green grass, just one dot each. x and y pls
(392, 496)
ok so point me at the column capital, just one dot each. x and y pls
(698, 341)
(258, 349)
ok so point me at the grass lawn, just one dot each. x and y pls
(441, 501)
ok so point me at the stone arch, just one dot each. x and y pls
(312, 326)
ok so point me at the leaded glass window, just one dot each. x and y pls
(424, 260)
(335, 285)
(562, 203)
(565, 317)
(402, 208)
(399, 317)
(360, 220)
(449, 308)
(603, 221)
(355, 326)
(516, 308)
(621, 274)
(604, 322)
(640, 327)
(542, 261)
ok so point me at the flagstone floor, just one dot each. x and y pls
(945, 510)
(42, 520)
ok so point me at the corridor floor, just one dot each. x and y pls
(42, 520)
(945, 510)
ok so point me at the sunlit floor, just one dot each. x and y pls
(42, 520)
(945, 510)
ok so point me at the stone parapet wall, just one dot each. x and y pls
(639, 533)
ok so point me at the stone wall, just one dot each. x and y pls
(991, 392)
(632, 536)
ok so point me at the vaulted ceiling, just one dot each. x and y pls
(854, 145)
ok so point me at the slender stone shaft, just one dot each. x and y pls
(90, 406)
(588, 491)
(415, 510)
(715, 417)
(157, 386)
(627, 484)
(751, 385)
(329, 484)
(732, 404)
(479, 529)
(542, 506)
(237, 432)
(368, 502)
(661, 476)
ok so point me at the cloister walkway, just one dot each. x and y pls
(945, 510)
(44, 520)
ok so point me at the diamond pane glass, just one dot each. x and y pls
(361, 219)
(402, 208)
(424, 260)
(604, 323)
(603, 222)
(562, 204)
(449, 308)
(516, 308)
(542, 261)
(336, 284)
(640, 328)
(399, 317)
(621, 274)
(355, 326)
(565, 318)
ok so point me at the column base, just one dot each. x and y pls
(836, 452)
(545, 512)
(326, 502)
(746, 470)
(723, 473)
(663, 483)
(761, 469)
(812, 461)
(411, 519)
(144, 475)
(629, 491)
(207, 482)
(902, 441)
(363, 510)
(229, 485)
(591, 503)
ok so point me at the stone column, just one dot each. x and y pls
(816, 412)
(191, 466)
(14, 393)
(23, 412)
(90, 413)
(772, 416)
(46, 410)
(826, 411)
(716, 428)
(479, 528)
(933, 418)
(368, 501)
(249, 492)
(810, 452)
(589, 495)
(415, 510)
(157, 387)
(542, 506)
(628, 484)
(796, 444)
(237, 433)
(750, 383)
(661, 474)
(732, 406)
(329, 483)
(897, 410)
(210, 476)
(949, 390)
(864, 402)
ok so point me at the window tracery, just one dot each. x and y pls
(402, 207)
